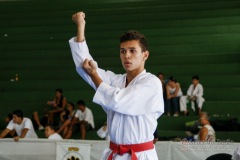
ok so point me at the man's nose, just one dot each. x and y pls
(127, 55)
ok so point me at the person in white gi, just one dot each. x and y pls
(194, 94)
(22, 126)
(51, 134)
(133, 101)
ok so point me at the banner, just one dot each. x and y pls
(73, 151)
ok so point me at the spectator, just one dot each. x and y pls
(84, 118)
(21, 125)
(37, 123)
(66, 118)
(51, 134)
(12, 133)
(59, 103)
(8, 118)
(173, 90)
(160, 75)
(57, 106)
(194, 94)
(206, 133)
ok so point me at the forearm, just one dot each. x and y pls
(96, 79)
(24, 132)
(80, 33)
(4, 133)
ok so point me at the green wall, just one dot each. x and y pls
(186, 37)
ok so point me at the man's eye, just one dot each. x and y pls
(122, 51)
(132, 50)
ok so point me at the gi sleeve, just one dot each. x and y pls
(200, 90)
(190, 90)
(80, 52)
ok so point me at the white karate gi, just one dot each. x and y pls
(198, 92)
(132, 111)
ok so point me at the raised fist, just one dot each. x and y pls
(79, 18)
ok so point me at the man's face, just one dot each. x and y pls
(161, 77)
(132, 57)
(48, 131)
(17, 119)
(195, 82)
(202, 120)
(81, 107)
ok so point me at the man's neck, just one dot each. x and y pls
(131, 75)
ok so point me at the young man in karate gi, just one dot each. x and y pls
(133, 101)
(194, 94)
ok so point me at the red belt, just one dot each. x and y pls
(130, 148)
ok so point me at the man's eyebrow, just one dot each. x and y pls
(127, 48)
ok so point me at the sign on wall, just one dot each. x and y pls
(73, 151)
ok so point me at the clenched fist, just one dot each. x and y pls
(90, 67)
(79, 18)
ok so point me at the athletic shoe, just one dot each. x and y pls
(40, 128)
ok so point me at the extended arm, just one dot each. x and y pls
(23, 134)
(89, 66)
(4, 133)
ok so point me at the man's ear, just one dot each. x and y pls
(145, 56)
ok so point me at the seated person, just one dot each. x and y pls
(84, 118)
(66, 118)
(173, 90)
(194, 94)
(50, 133)
(161, 75)
(21, 125)
(59, 103)
(206, 133)
(57, 106)
(8, 118)
(39, 123)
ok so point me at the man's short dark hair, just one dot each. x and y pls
(195, 77)
(81, 102)
(18, 113)
(135, 35)
(51, 127)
